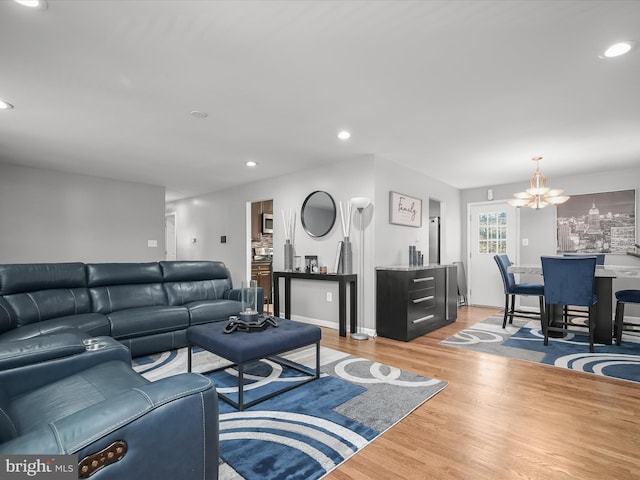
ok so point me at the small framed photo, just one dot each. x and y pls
(405, 210)
(311, 264)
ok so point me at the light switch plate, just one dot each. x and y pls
(152, 243)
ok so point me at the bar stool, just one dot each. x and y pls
(569, 281)
(623, 297)
(511, 289)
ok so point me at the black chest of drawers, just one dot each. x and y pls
(412, 301)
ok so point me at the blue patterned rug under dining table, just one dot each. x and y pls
(524, 340)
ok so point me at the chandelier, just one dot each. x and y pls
(538, 195)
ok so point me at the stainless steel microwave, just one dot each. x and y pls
(267, 223)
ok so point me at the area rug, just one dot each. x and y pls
(524, 340)
(308, 431)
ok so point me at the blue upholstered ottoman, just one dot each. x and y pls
(242, 348)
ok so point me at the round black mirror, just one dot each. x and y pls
(318, 214)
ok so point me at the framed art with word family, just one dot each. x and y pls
(405, 210)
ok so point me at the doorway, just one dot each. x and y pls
(434, 231)
(261, 247)
(170, 237)
(493, 228)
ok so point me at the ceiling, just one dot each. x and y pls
(464, 91)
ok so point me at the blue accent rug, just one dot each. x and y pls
(524, 340)
(308, 431)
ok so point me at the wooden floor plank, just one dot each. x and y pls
(498, 418)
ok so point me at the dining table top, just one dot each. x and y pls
(607, 271)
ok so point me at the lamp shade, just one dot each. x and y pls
(360, 202)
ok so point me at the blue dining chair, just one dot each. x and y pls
(511, 289)
(569, 281)
(623, 297)
(577, 313)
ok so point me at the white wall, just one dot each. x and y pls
(538, 226)
(48, 216)
(207, 217)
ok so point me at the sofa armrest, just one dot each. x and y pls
(17, 353)
(29, 376)
(170, 428)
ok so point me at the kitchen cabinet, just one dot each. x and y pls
(412, 301)
(257, 209)
(261, 273)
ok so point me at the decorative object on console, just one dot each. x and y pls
(538, 195)
(345, 261)
(360, 204)
(405, 210)
(289, 223)
(311, 264)
(249, 294)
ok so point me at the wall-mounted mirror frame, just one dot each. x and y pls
(318, 213)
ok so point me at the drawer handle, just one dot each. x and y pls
(424, 279)
(423, 319)
(423, 299)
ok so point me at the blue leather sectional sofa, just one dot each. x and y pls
(67, 334)
(145, 306)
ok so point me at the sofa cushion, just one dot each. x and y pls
(138, 322)
(72, 394)
(101, 274)
(187, 282)
(36, 306)
(41, 291)
(182, 271)
(90, 324)
(123, 297)
(204, 312)
(30, 277)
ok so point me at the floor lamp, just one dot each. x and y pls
(360, 203)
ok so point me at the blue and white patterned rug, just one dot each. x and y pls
(524, 340)
(308, 431)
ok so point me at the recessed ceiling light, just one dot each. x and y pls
(251, 163)
(198, 114)
(344, 135)
(39, 4)
(617, 49)
(5, 105)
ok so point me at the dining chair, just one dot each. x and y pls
(569, 281)
(570, 313)
(623, 297)
(511, 289)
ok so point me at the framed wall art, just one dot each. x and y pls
(597, 223)
(405, 210)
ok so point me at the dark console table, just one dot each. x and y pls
(342, 278)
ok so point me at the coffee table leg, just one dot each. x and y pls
(189, 358)
(241, 386)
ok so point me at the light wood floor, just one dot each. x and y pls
(498, 418)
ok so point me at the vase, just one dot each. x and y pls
(346, 258)
(288, 255)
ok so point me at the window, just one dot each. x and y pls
(492, 232)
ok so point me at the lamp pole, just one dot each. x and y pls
(360, 203)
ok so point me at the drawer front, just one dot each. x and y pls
(421, 306)
(421, 279)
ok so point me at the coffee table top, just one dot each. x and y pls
(242, 346)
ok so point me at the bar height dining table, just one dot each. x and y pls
(603, 289)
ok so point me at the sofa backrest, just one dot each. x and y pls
(118, 286)
(195, 281)
(35, 292)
